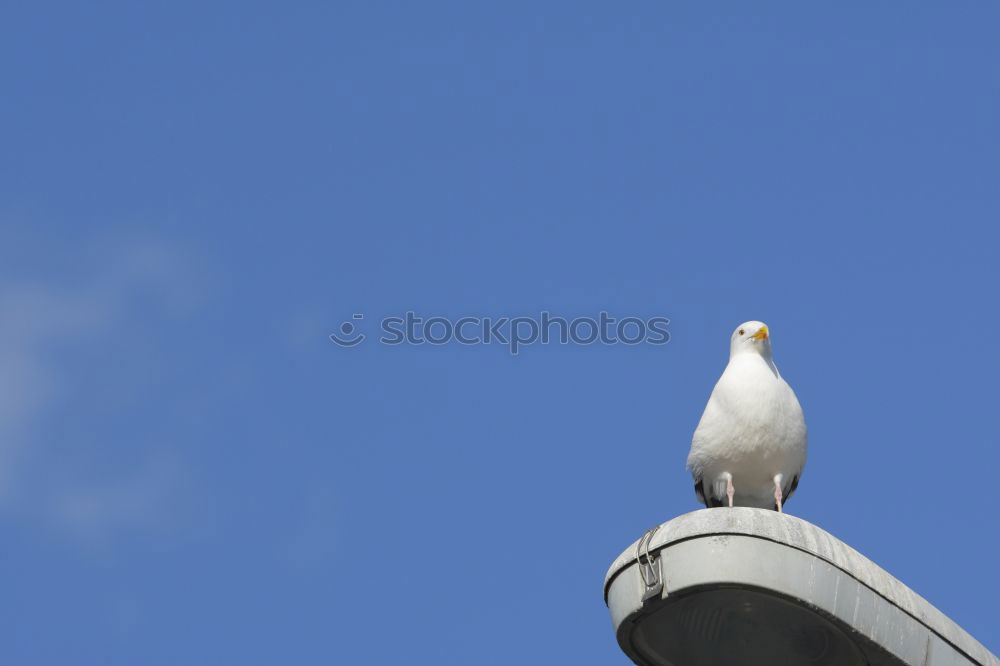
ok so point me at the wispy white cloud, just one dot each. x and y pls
(43, 318)
(36, 316)
(95, 508)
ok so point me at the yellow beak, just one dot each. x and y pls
(761, 334)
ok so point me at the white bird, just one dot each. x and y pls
(750, 446)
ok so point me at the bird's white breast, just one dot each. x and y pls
(752, 428)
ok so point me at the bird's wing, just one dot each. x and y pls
(711, 436)
(708, 500)
(790, 488)
(707, 443)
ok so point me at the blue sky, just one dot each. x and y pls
(194, 195)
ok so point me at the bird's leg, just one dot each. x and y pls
(777, 492)
(730, 490)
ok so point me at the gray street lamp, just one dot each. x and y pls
(749, 586)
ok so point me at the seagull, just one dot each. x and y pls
(750, 446)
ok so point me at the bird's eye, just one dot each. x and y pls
(741, 331)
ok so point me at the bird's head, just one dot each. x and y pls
(751, 337)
